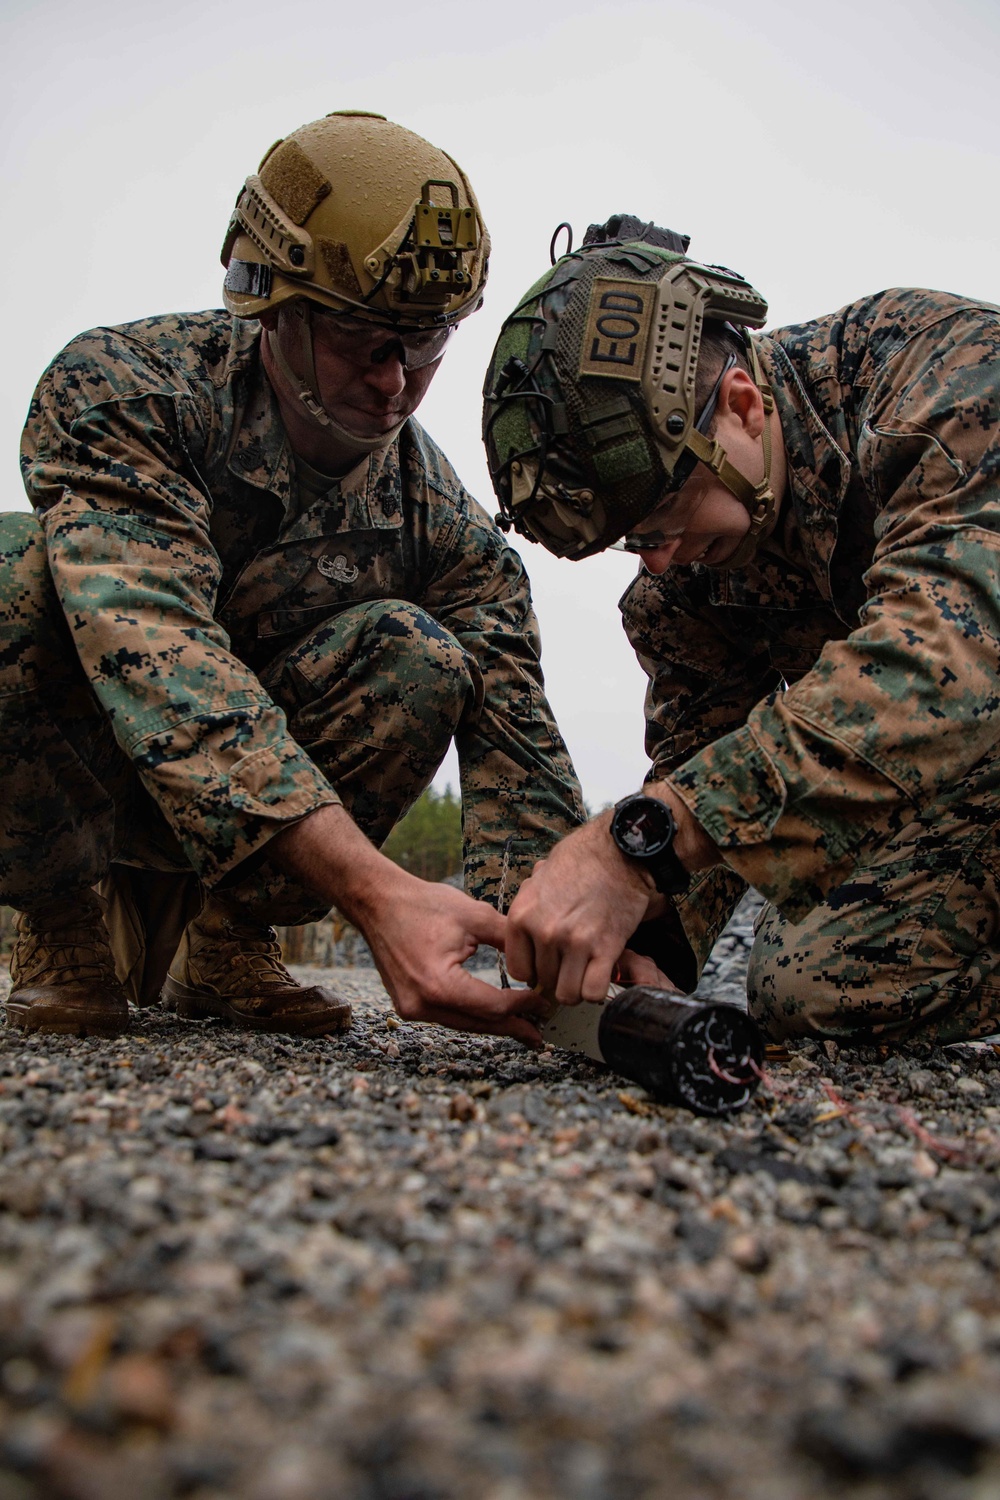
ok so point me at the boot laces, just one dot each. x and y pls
(71, 944)
(248, 949)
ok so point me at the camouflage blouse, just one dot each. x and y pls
(804, 707)
(156, 455)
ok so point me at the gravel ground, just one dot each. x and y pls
(408, 1265)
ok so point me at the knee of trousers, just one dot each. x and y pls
(34, 637)
(788, 993)
(800, 983)
(379, 671)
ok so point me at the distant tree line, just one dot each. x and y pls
(428, 840)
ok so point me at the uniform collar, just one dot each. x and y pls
(367, 498)
(259, 454)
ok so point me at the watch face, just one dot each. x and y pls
(643, 827)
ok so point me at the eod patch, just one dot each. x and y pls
(617, 328)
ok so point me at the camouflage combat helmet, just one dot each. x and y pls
(589, 411)
(362, 216)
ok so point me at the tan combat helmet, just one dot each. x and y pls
(590, 417)
(359, 215)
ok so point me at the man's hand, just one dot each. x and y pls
(419, 932)
(424, 935)
(637, 968)
(569, 924)
(571, 919)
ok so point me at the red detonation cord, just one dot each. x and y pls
(767, 1081)
(728, 1077)
(947, 1150)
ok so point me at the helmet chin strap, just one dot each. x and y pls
(759, 499)
(306, 387)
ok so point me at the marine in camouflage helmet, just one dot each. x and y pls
(252, 609)
(822, 715)
(591, 410)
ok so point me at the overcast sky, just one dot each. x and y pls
(824, 151)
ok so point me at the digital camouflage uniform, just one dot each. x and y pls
(830, 713)
(191, 658)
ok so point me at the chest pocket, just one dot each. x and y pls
(790, 640)
(796, 647)
(297, 583)
(291, 588)
(346, 548)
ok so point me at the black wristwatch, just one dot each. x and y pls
(643, 828)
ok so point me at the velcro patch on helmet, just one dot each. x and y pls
(623, 462)
(619, 317)
(337, 259)
(295, 184)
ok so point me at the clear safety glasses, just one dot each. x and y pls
(671, 515)
(364, 342)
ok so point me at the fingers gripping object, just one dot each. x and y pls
(590, 412)
(706, 1057)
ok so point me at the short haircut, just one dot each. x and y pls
(718, 342)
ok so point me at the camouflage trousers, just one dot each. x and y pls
(909, 948)
(374, 695)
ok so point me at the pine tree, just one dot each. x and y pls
(428, 840)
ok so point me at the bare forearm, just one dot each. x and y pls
(327, 853)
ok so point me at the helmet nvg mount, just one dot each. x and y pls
(361, 217)
(590, 413)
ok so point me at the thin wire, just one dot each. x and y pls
(721, 1072)
(505, 983)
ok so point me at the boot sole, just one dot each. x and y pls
(20, 1016)
(196, 1005)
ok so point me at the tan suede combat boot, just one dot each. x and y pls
(230, 967)
(62, 973)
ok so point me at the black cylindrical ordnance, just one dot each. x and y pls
(701, 1054)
